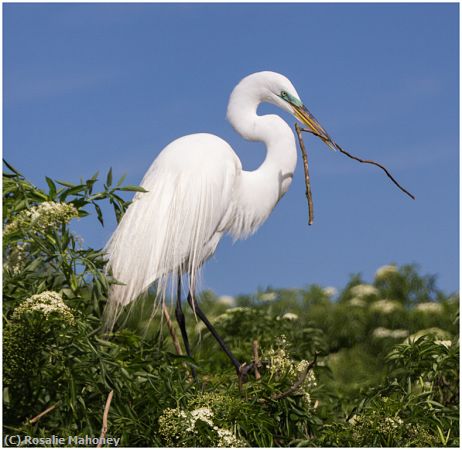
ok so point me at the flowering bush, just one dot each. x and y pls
(382, 332)
(386, 371)
(386, 306)
(364, 290)
(283, 368)
(429, 308)
(40, 218)
(385, 272)
(44, 305)
(197, 427)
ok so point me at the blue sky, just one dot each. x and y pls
(93, 86)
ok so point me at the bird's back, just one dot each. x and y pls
(177, 224)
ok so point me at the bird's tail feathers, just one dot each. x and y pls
(161, 235)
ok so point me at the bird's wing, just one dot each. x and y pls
(176, 225)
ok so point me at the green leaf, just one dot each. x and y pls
(52, 186)
(72, 393)
(109, 177)
(67, 293)
(11, 168)
(441, 434)
(122, 179)
(39, 195)
(73, 282)
(133, 188)
(65, 183)
(72, 191)
(98, 196)
(34, 264)
(99, 213)
(90, 184)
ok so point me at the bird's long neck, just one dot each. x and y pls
(262, 188)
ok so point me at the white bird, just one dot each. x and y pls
(198, 191)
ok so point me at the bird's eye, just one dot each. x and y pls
(283, 94)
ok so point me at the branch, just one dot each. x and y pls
(307, 174)
(106, 413)
(365, 161)
(171, 330)
(299, 382)
(175, 340)
(256, 359)
(39, 416)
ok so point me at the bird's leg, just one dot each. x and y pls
(241, 369)
(180, 318)
(196, 308)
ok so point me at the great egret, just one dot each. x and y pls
(198, 191)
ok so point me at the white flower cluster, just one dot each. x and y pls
(237, 309)
(386, 306)
(42, 217)
(268, 296)
(226, 438)
(354, 419)
(47, 303)
(226, 300)
(280, 362)
(444, 342)
(171, 425)
(382, 332)
(231, 312)
(290, 316)
(363, 290)
(391, 424)
(357, 302)
(16, 259)
(309, 383)
(176, 424)
(330, 291)
(282, 365)
(434, 332)
(430, 308)
(204, 414)
(385, 272)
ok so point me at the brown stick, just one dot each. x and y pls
(171, 329)
(43, 413)
(307, 175)
(105, 415)
(299, 382)
(364, 161)
(256, 359)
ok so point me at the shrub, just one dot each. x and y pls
(387, 353)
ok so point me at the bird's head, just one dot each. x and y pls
(275, 88)
(286, 97)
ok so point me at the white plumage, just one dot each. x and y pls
(197, 191)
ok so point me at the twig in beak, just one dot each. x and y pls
(365, 161)
(307, 174)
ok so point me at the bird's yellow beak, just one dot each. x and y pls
(305, 117)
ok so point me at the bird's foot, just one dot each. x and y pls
(243, 371)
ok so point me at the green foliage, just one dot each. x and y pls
(40, 252)
(416, 405)
(387, 371)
